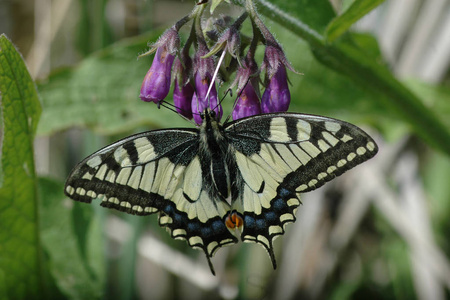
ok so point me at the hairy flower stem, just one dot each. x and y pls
(258, 26)
(238, 23)
(198, 24)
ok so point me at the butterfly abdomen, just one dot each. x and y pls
(217, 159)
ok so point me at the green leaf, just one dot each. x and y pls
(102, 92)
(356, 11)
(76, 264)
(350, 59)
(20, 264)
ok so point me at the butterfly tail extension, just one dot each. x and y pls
(264, 225)
(211, 266)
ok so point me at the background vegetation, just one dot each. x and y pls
(379, 231)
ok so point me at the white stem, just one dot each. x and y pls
(215, 74)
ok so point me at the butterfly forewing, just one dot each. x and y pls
(156, 171)
(281, 155)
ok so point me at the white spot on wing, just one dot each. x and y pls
(80, 191)
(147, 177)
(275, 229)
(302, 188)
(346, 138)
(351, 156)
(302, 156)
(150, 209)
(278, 130)
(341, 163)
(212, 247)
(195, 240)
(94, 161)
(303, 130)
(146, 151)
(87, 176)
(101, 172)
(263, 240)
(166, 177)
(249, 172)
(121, 156)
(331, 169)
(288, 157)
(262, 163)
(312, 150)
(70, 190)
(135, 178)
(330, 138)
(323, 145)
(163, 163)
(332, 126)
(361, 151)
(123, 176)
(312, 183)
(322, 175)
(274, 160)
(251, 204)
(286, 218)
(192, 184)
(91, 194)
(179, 232)
(110, 176)
(293, 202)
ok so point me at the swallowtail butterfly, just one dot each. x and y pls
(206, 182)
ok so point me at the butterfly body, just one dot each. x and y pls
(205, 182)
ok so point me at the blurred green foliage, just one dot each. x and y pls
(344, 76)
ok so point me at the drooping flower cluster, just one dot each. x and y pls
(195, 78)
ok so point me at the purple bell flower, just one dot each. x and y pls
(182, 98)
(246, 80)
(276, 97)
(247, 104)
(183, 90)
(156, 84)
(199, 101)
(203, 68)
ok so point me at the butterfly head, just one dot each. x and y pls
(209, 115)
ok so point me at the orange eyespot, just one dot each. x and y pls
(234, 220)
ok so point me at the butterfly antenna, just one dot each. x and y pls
(174, 108)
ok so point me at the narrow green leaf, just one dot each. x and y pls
(76, 265)
(20, 267)
(356, 11)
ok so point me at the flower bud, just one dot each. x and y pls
(276, 97)
(182, 98)
(183, 90)
(247, 104)
(156, 84)
(199, 100)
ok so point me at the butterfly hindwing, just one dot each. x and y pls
(156, 171)
(281, 155)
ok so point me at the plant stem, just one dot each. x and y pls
(352, 62)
